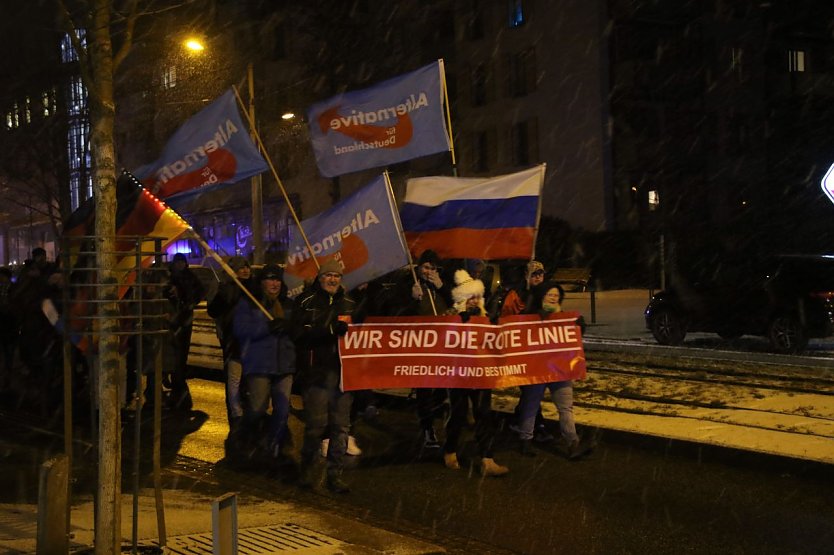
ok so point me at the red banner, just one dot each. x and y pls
(442, 351)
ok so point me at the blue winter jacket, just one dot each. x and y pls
(262, 352)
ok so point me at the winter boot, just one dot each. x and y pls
(578, 448)
(491, 468)
(335, 482)
(311, 474)
(451, 461)
(526, 448)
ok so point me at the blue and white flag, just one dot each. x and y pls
(212, 147)
(391, 122)
(362, 233)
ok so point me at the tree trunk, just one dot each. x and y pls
(102, 115)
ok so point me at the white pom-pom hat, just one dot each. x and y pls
(466, 287)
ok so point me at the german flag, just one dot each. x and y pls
(138, 214)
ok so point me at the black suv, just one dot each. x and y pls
(788, 298)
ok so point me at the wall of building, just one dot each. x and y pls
(562, 102)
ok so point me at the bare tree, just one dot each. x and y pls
(91, 25)
(34, 172)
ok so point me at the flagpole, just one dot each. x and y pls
(543, 167)
(277, 179)
(399, 224)
(226, 268)
(448, 116)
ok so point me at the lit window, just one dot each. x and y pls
(46, 102)
(77, 98)
(654, 200)
(28, 110)
(68, 53)
(15, 115)
(169, 77)
(516, 12)
(796, 61)
(9, 121)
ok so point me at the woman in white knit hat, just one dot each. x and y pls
(468, 297)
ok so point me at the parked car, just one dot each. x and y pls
(788, 299)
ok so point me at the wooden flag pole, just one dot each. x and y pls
(538, 211)
(226, 268)
(448, 117)
(275, 175)
(399, 225)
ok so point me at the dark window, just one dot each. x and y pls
(521, 72)
(483, 151)
(479, 85)
(516, 13)
(279, 42)
(475, 23)
(524, 143)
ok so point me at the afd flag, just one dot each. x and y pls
(488, 218)
(394, 121)
(210, 148)
(362, 233)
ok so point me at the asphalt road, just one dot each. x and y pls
(633, 494)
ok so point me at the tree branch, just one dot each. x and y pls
(127, 43)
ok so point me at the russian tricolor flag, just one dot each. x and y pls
(490, 218)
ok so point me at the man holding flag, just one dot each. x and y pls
(320, 316)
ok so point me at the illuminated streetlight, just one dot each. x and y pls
(288, 116)
(194, 45)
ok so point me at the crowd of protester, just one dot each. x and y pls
(273, 346)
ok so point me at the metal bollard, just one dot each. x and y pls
(593, 306)
(224, 524)
(52, 507)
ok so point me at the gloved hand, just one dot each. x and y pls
(277, 325)
(435, 280)
(464, 317)
(340, 328)
(581, 323)
(544, 314)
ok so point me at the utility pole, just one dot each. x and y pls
(257, 183)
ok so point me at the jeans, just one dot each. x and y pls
(261, 388)
(481, 410)
(234, 404)
(531, 398)
(326, 408)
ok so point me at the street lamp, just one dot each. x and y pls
(194, 45)
(287, 116)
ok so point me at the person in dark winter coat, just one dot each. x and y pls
(8, 326)
(320, 316)
(429, 296)
(184, 292)
(468, 295)
(221, 308)
(267, 355)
